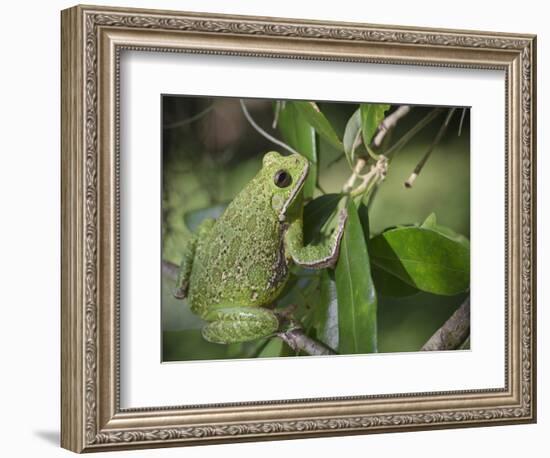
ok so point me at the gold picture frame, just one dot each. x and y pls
(92, 40)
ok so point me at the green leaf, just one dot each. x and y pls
(194, 218)
(363, 214)
(325, 318)
(357, 302)
(371, 116)
(423, 258)
(271, 349)
(300, 135)
(352, 134)
(387, 284)
(316, 214)
(320, 123)
(431, 223)
(384, 283)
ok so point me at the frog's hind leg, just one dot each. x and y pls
(186, 265)
(239, 324)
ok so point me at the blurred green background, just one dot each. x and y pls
(210, 152)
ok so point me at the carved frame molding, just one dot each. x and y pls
(92, 39)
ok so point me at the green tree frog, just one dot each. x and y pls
(234, 268)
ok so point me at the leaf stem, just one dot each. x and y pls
(372, 153)
(262, 132)
(461, 121)
(278, 108)
(348, 185)
(435, 142)
(376, 173)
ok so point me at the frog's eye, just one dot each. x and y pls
(282, 178)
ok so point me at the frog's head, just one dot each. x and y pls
(285, 176)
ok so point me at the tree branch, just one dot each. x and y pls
(299, 341)
(388, 122)
(454, 331)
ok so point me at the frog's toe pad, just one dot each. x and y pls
(180, 293)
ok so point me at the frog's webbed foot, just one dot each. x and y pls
(239, 324)
(181, 291)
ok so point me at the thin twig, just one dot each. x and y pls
(435, 142)
(413, 131)
(383, 128)
(359, 165)
(454, 331)
(299, 341)
(376, 174)
(278, 108)
(461, 121)
(186, 121)
(262, 132)
(389, 122)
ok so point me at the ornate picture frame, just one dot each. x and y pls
(92, 41)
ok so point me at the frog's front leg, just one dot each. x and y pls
(239, 324)
(318, 256)
(186, 265)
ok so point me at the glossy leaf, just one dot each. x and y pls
(300, 135)
(320, 123)
(372, 115)
(431, 223)
(357, 302)
(352, 136)
(423, 258)
(325, 318)
(363, 215)
(384, 283)
(316, 214)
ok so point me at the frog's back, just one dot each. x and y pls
(242, 260)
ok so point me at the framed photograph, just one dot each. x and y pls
(278, 228)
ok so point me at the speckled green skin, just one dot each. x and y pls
(234, 267)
